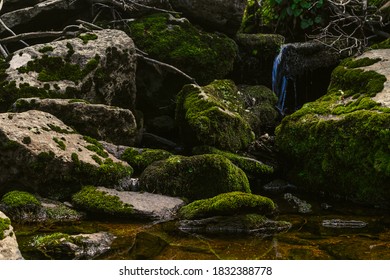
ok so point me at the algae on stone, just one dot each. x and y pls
(194, 177)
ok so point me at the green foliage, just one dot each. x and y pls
(92, 200)
(227, 204)
(139, 159)
(4, 225)
(19, 199)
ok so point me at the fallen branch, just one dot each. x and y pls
(168, 66)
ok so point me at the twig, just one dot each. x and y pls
(88, 24)
(170, 67)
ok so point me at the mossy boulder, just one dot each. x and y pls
(100, 70)
(194, 177)
(339, 144)
(140, 158)
(95, 201)
(102, 122)
(210, 115)
(204, 56)
(9, 248)
(227, 204)
(17, 203)
(40, 153)
(252, 167)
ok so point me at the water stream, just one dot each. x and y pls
(309, 238)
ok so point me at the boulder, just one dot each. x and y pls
(204, 56)
(61, 246)
(239, 224)
(194, 177)
(338, 144)
(98, 67)
(103, 201)
(108, 123)
(38, 152)
(227, 204)
(147, 246)
(9, 248)
(210, 115)
(221, 15)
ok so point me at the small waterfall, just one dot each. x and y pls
(279, 79)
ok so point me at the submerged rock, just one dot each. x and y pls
(303, 206)
(239, 224)
(40, 153)
(61, 246)
(194, 177)
(108, 123)
(338, 144)
(9, 248)
(147, 246)
(98, 67)
(337, 223)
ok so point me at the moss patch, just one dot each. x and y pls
(195, 177)
(19, 199)
(204, 56)
(227, 204)
(4, 225)
(139, 159)
(251, 167)
(94, 201)
(87, 37)
(210, 116)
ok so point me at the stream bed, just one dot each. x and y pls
(326, 230)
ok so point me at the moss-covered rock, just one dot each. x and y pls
(194, 177)
(95, 201)
(139, 159)
(339, 144)
(4, 225)
(210, 115)
(204, 56)
(252, 167)
(228, 204)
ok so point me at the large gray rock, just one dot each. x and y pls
(9, 248)
(98, 67)
(108, 123)
(223, 15)
(40, 153)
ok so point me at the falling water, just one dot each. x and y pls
(279, 80)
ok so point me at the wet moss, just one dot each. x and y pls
(194, 177)
(4, 225)
(139, 159)
(92, 200)
(210, 116)
(204, 56)
(252, 167)
(228, 204)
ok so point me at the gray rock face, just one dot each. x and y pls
(99, 68)
(112, 124)
(223, 15)
(39, 152)
(9, 248)
(148, 205)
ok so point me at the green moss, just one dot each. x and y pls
(87, 37)
(51, 68)
(194, 177)
(26, 140)
(60, 143)
(4, 225)
(227, 204)
(210, 116)
(19, 199)
(94, 201)
(97, 159)
(95, 147)
(139, 159)
(362, 62)
(382, 45)
(46, 49)
(251, 167)
(204, 56)
(59, 129)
